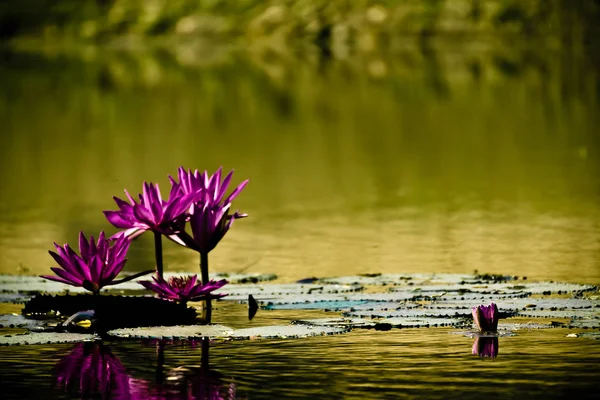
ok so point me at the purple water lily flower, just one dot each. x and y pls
(486, 317)
(209, 214)
(184, 288)
(152, 212)
(209, 225)
(97, 266)
(207, 188)
(485, 347)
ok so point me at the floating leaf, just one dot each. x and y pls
(222, 332)
(408, 322)
(398, 279)
(35, 284)
(465, 289)
(593, 323)
(271, 290)
(15, 298)
(548, 313)
(176, 332)
(19, 321)
(412, 313)
(338, 322)
(286, 331)
(45, 338)
(333, 305)
(309, 299)
(589, 335)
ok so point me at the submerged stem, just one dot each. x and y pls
(204, 357)
(158, 254)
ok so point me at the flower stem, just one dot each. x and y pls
(158, 254)
(204, 267)
(207, 310)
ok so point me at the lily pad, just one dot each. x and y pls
(36, 284)
(548, 313)
(286, 331)
(589, 335)
(337, 322)
(176, 332)
(271, 290)
(459, 289)
(15, 298)
(45, 338)
(412, 313)
(593, 323)
(19, 321)
(398, 279)
(222, 332)
(408, 322)
(326, 299)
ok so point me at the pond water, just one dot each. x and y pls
(436, 157)
(408, 363)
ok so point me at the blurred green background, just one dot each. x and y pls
(389, 136)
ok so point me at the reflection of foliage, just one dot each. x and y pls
(338, 21)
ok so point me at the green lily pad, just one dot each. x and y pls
(15, 298)
(398, 279)
(222, 332)
(412, 313)
(36, 284)
(241, 292)
(573, 314)
(312, 301)
(45, 338)
(19, 321)
(409, 322)
(593, 323)
(337, 322)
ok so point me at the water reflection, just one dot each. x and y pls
(485, 346)
(438, 157)
(92, 370)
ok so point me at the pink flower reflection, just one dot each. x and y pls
(93, 370)
(485, 347)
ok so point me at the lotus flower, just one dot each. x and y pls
(184, 288)
(485, 347)
(486, 317)
(92, 369)
(152, 212)
(209, 214)
(207, 189)
(99, 264)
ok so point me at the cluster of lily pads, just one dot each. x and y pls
(196, 202)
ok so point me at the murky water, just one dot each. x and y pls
(448, 157)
